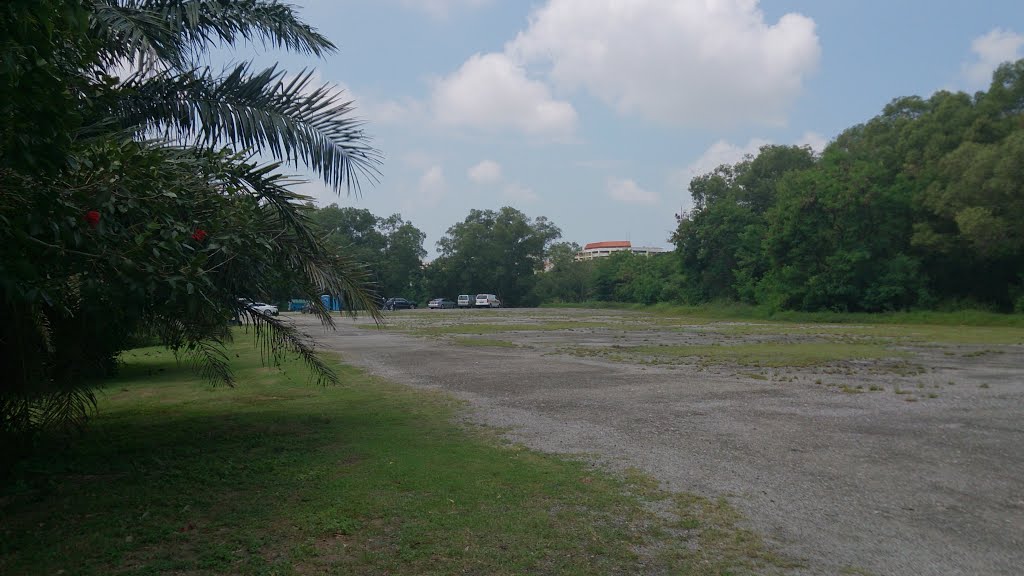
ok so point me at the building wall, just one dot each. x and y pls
(604, 251)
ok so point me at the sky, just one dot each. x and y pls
(597, 113)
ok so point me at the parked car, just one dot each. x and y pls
(465, 301)
(261, 307)
(487, 301)
(399, 304)
(441, 303)
(264, 308)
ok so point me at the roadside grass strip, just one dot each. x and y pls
(279, 476)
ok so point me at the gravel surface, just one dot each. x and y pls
(862, 483)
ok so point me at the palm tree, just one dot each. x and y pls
(150, 199)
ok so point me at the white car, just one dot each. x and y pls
(262, 308)
(465, 301)
(487, 301)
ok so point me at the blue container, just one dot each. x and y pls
(331, 303)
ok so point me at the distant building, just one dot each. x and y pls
(602, 249)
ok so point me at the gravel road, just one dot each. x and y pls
(849, 483)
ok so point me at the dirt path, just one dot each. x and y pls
(851, 483)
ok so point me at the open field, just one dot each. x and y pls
(861, 448)
(277, 476)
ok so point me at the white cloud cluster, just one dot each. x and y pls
(628, 192)
(519, 193)
(432, 186)
(991, 50)
(492, 91)
(816, 141)
(721, 152)
(485, 172)
(725, 152)
(687, 62)
(489, 172)
(684, 62)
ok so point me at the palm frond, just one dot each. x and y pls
(264, 112)
(208, 357)
(324, 272)
(275, 337)
(134, 36)
(228, 21)
(65, 410)
(174, 33)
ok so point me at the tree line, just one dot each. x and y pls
(921, 207)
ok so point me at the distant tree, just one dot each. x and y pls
(391, 249)
(494, 252)
(565, 279)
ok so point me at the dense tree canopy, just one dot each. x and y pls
(920, 206)
(390, 248)
(130, 202)
(493, 252)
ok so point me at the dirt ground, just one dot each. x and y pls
(908, 460)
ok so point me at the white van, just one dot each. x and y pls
(487, 301)
(465, 301)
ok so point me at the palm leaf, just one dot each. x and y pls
(264, 112)
(175, 33)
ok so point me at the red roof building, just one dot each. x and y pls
(602, 249)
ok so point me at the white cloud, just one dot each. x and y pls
(491, 91)
(687, 62)
(628, 192)
(385, 111)
(382, 111)
(724, 152)
(442, 8)
(432, 187)
(990, 51)
(520, 193)
(816, 141)
(721, 152)
(486, 172)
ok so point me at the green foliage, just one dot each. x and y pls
(390, 248)
(493, 252)
(918, 208)
(131, 206)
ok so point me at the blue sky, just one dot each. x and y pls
(595, 113)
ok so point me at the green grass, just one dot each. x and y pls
(921, 328)
(879, 333)
(278, 476)
(762, 354)
(744, 312)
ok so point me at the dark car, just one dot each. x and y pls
(398, 304)
(441, 303)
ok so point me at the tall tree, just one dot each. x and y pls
(390, 248)
(134, 204)
(494, 252)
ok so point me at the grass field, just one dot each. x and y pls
(278, 476)
(758, 354)
(745, 312)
